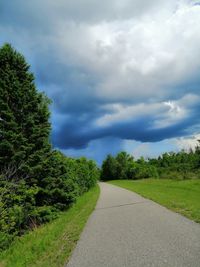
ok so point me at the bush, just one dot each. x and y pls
(42, 215)
(144, 171)
(17, 202)
(87, 174)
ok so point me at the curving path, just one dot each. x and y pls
(127, 230)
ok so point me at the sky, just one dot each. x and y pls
(122, 75)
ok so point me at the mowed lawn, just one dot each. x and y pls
(180, 196)
(51, 245)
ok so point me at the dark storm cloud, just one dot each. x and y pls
(77, 133)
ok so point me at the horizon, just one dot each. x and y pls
(121, 76)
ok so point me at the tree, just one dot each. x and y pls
(24, 143)
(57, 184)
(124, 163)
(24, 116)
(87, 174)
(109, 169)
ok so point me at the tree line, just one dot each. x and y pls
(180, 165)
(36, 181)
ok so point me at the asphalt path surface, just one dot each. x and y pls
(127, 230)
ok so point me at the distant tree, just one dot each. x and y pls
(197, 154)
(109, 169)
(124, 161)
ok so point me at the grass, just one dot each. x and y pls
(180, 196)
(51, 245)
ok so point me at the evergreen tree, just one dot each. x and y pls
(24, 115)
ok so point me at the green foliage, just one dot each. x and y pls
(87, 174)
(109, 169)
(178, 166)
(17, 203)
(36, 182)
(57, 186)
(181, 165)
(145, 170)
(123, 166)
(64, 179)
(24, 116)
(124, 161)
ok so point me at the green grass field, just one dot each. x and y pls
(180, 196)
(51, 245)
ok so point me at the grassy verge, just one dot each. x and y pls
(51, 245)
(179, 196)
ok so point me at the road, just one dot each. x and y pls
(127, 230)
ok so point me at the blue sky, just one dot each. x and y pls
(123, 75)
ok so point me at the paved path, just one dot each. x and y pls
(126, 230)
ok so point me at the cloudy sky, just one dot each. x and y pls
(122, 74)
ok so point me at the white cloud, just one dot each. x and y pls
(177, 111)
(163, 114)
(136, 58)
(186, 143)
(118, 112)
(137, 149)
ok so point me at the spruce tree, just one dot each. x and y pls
(24, 118)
